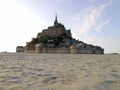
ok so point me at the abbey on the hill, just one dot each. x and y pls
(54, 31)
(56, 39)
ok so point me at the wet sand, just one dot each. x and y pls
(20, 71)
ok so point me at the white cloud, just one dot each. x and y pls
(101, 24)
(91, 18)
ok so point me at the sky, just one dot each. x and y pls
(94, 22)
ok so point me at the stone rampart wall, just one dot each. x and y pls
(50, 50)
(85, 51)
(64, 51)
(55, 50)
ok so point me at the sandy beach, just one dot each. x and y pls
(20, 71)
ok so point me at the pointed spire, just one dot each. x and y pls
(55, 22)
(56, 17)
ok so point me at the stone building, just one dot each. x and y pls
(57, 39)
(56, 30)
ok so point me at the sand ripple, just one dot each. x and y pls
(20, 71)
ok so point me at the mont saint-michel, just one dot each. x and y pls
(57, 39)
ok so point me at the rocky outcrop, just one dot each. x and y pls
(57, 39)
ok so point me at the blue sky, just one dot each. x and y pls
(92, 21)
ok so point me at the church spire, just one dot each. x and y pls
(56, 21)
(56, 17)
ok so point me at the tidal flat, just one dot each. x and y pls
(21, 71)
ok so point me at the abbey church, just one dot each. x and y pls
(54, 31)
(57, 39)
